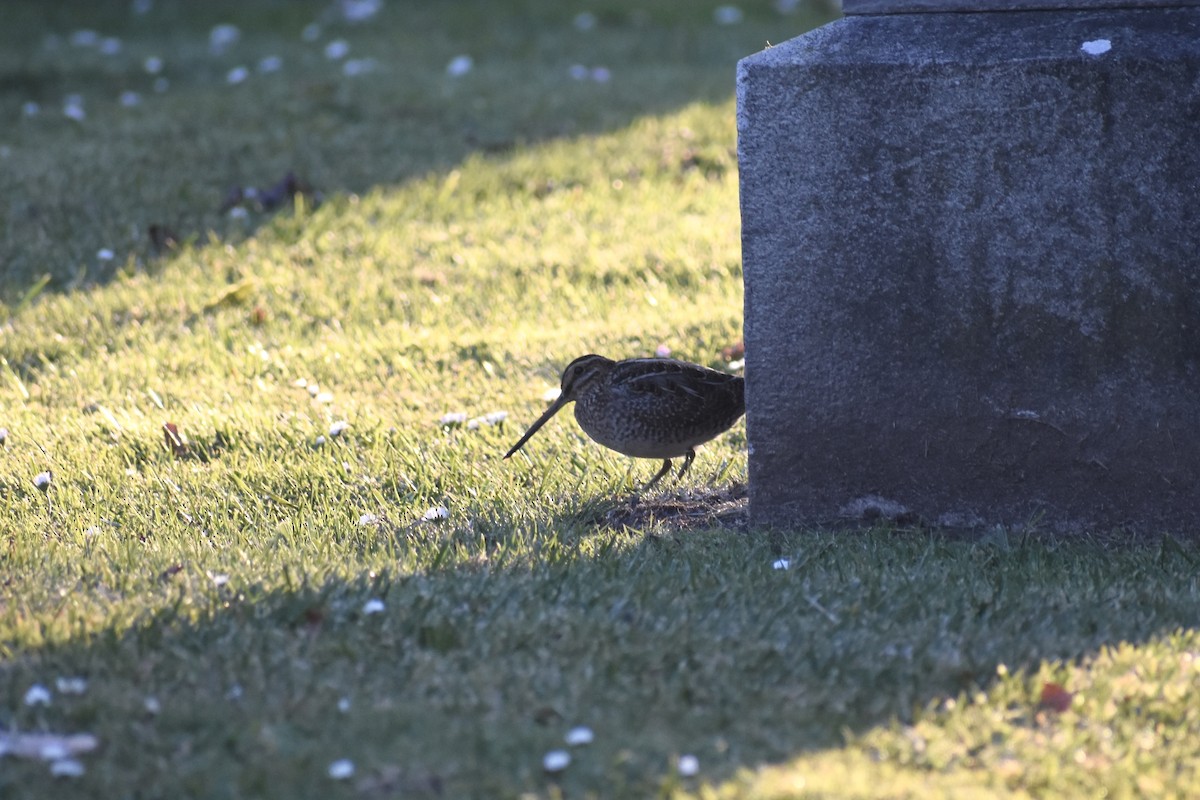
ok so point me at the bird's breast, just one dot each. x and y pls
(637, 432)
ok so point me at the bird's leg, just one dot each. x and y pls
(687, 462)
(666, 467)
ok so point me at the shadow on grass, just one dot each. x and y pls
(662, 642)
(113, 188)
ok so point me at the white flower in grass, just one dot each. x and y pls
(662, 351)
(584, 21)
(601, 74)
(130, 99)
(37, 695)
(360, 10)
(221, 37)
(152, 705)
(324, 397)
(373, 606)
(218, 578)
(110, 46)
(42, 480)
(153, 65)
(343, 705)
(52, 751)
(453, 419)
(688, 765)
(66, 768)
(311, 32)
(73, 108)
(494, 418)
(737, 365)
(313, 388)
(579, 735)
(727, 15)
(161, 85)
(84, 38)
(782, 563)
(337, 49)
(357, 66)
(320, 442)
(435, 513)
(105, 254)
(3, 436)
(339, 427)
(556, 761)
(341, 769)
(459, 66)
(74, 685)
(551, 394)
(31, 109)
(236, 75)
(368, 519)
(579, 72)
(270, 64)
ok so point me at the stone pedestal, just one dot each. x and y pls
(972, 264)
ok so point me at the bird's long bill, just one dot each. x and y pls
(547, 414)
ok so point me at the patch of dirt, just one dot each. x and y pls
(726, 507)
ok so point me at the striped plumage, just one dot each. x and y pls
(648, 407)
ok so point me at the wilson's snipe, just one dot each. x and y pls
(648, 407)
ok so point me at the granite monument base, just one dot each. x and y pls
(972, 266)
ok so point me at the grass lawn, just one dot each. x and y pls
(330, 568)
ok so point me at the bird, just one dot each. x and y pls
(647, 407)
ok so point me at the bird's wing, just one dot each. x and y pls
(684, 392)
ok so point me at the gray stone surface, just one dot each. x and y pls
(851, 7)
(972, 266)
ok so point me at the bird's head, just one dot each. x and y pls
(579, 374)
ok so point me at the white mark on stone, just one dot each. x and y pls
(873, 506)
(1096, 47)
